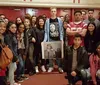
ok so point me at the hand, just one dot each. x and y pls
(17, 61)
(24, 57)
(73, 73)
(94, 83)
(33, 39)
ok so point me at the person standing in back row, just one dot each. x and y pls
(54, 32)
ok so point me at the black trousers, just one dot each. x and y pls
(3, 80)
(78, 77)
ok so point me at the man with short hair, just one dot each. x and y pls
(76, 27)
(54, 32)
(91, 18)
(75, 61)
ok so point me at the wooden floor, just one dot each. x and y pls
(47, 79)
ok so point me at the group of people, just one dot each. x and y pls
(24, 37)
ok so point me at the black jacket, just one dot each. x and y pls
(11, 40)
(29, 34)
(82, 59)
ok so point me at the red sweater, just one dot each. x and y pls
(2, 72)
(94, 66)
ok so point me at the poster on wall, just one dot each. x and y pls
(31, 11)
(52, 50)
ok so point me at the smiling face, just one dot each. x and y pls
(27, 23)
(13, 28)
(19, 20)
(21, 28)
(41, 22)
(2, 27)
(91, 27)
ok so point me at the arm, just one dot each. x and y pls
(8, 42)
(83, 32)
(61, 29)
(92, 68)
(70, 32)
(46, 31)
(32, 37)
(83, 62)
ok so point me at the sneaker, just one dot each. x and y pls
(36, 69)
(60, 70)
(19, 79)
(16, 84)
(43, 68)
(24, 77)
(50, 69)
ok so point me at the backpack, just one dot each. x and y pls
(6, 56)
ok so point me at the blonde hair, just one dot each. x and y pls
(53, 8)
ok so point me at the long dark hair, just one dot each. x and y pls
(8, 26)
(95, 52)
(94, 31)
(37, 21)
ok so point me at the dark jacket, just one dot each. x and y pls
(29, 34)
(39, 35)
(90, 42)
(82, 59)
(11, 40)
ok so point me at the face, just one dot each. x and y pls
(48, 46)
(65, 25)
(41, 22)
(33, 19)
(19, 20)
(44, 16)
(67, 17)
(98, 49)
(2, 27)
(2, 16)
(53, 12)
(77, 41)
(6, 21)
(90, 14)
(78, 16)
(21, 28)
(83, 15)
(62, 18)
(27, 22)
(91, 27)
(13, 28)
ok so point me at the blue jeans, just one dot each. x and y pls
(20, 67)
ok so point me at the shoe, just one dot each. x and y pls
(19, 79)
(60, 70)
(43, 68)
(16, 84)
(24, 77)
(36, 69)
(50, 69)
(66, 77)
(31, 73)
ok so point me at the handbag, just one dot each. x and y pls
(6, 56)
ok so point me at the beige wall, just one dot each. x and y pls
(49, 3)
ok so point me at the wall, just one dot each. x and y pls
(13, 12)
(56, 3)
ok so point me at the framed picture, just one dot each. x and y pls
(52, 50)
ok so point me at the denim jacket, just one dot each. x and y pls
(47, 24)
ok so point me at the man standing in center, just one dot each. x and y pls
(54, 32)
